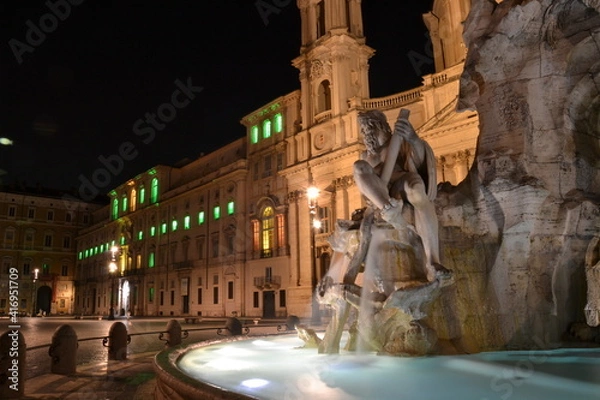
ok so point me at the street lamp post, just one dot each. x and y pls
(312, 194)
(112, 269)
(34, 294)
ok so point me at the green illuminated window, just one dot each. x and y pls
(140, 235)
(154, 191)
(217, 212)
(254, 134)
(115, 209)
(278, 123)
(124, 205)
(80, 255)
(152, 231)
(200, 217)
(151, 295)
(87, 253)
(142, 197)
(186, 222)
(230, 207)
(163, 228)
(122, 240)
(151, 260)
(267, 128)
(174, 225)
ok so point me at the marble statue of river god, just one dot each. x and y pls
(393, 242)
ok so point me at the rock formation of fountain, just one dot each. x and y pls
(515, 232)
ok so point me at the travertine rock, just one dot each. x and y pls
(515, 232)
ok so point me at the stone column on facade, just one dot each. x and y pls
(461, 165)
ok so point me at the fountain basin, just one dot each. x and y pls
(275, 367)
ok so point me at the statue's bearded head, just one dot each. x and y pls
(374, 129)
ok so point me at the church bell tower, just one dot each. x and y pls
(333, 59)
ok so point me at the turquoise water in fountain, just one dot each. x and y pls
(277, 368)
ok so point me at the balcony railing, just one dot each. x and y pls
(183, 264)
(267, 282)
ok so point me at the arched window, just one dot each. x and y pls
(154, 191)
(124, 203)
(324, 96)
(278, 119)
(133, 202)
(268, 231)
(266, 128)
(142, 195)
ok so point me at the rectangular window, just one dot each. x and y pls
(215, 279)
(12, 211)
(50, 215)
(31, 213)
(230, 244)
(255, 303)
(162, 298)
(67, 242)
(163, 228)
(152, 231)
(64, 270)
(151, 260)
(48, 240)
(124, 204)
(45, 269)
(217, 212)
(230, 290)
(199, 300)
(142, 197)
(215, 245)
(230, 207)
(186, 222)
(174, 225)
(140, 235)
(201, 244)
(172, 297)
(267, 164)
(26, 268)
(68, 217)
(201, 217)
(216, 295)
(282, 302)
(279, 161)
(254, 134)
(150, 295)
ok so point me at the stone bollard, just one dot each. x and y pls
(64, 351)
(233, 327)
(291, 322)
(117, 340)
(12, 365)
(174, 334)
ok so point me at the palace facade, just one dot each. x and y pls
(39, 231)
(231, 233)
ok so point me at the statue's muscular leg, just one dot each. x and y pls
(426, 223)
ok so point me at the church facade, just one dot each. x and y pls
(234, 232)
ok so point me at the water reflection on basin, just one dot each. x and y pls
(276, 368)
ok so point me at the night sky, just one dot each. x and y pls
(75, 93)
